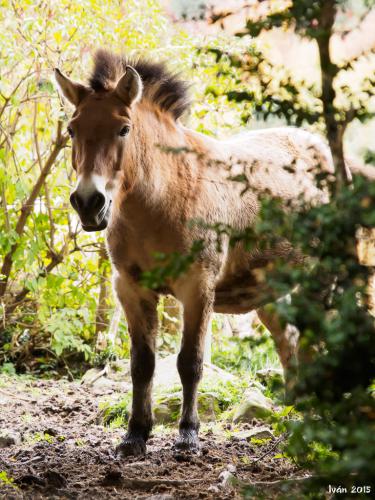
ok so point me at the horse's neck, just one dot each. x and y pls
(161, 166)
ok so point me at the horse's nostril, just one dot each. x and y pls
(93, 203)
(75, 200)
(97, 201)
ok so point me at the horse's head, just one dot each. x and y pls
(100, 128)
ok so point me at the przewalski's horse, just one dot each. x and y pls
(145, 197)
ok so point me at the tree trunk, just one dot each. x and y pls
(113, 327)
(334, 128)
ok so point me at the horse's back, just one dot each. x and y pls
(281, 161)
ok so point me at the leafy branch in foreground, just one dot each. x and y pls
(170, 266)
(330, 308)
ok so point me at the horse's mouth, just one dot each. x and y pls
(90, 228)
(98, 225)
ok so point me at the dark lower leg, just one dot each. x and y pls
(198, 303)
(140, 423)
(190, 367)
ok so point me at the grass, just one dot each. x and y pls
(6, 480)
(225, 395)
(243, 357)
(38, 437)
(220, 398)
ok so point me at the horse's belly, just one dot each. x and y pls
(241, 292)
(243, 285)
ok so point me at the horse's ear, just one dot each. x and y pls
(129, 87)
(73, 91)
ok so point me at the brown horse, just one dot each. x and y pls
(123, 128)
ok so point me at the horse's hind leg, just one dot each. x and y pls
(142, 320)
(286, 341)
(197, 311)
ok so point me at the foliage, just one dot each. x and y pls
(5, 479)
(55, 293)
(330, 304)
(330, 310)
(170, 266)
(244, 355)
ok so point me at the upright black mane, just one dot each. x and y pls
(160, 86)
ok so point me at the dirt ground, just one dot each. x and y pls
(62, 451)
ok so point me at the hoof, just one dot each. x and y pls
(131, 447)
(187, 441)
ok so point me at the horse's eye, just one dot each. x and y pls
(70, 131)
(124, 131)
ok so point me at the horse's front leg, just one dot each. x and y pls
(141, 315)
(198, 307)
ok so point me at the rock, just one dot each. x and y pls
(113, 375)
(242, 325)
(253, 405)
(105, 385)
(213, 489)
(167, 376)
(271, 375)
(208, 406)
(92, 375)
(226, 479)
(9, 438)
(30, 479)
(55, 479)
(257, 433)
(161, 497)
(116, 376)
(167, 409)
(120, 370)
(113, 477)
(51, 431)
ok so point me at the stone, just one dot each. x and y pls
(253, 405)
(9, 438)
(161, 497)
(242, 325)
(271, 375)
(112, 375)
(116, 376)
(227, 478)
(167, 408)
(213, 489)
(119, 370)
(208, 406)
(92, 375)
(256, 433)
(167, 377)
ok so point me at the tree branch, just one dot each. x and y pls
(60, 143)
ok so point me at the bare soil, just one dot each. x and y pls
(63, 451)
